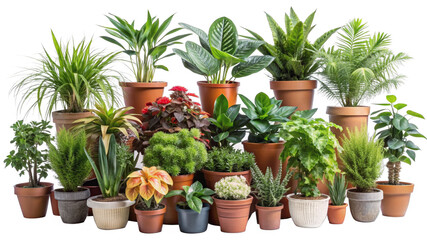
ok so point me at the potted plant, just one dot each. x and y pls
(180, 155)
(145, 47)
(68, 160)
(74, 78)
(111, 209)
(33, 196)
(395, 131)
(193, 213)
(144, 186)
(295, 59)
(349, 78)
(220, 51)
(269, 191)
(310, 146)
(362, 156)
(233, 202)
(337, 207)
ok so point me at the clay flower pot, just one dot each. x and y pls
(150, 221)
(308, 213)
(72, 205)
(191, 221)
(171, 216)
(266, 154)
(396, 198)
(33, 201)
(209, 92)
(54, 204)
(365, 206)
(66, 120)
(233, 214)
(295, 93)
(110, 215)
(269, 217)
(336, 214)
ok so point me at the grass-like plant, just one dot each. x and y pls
(68, 159)
(227, 159)
(193, 196)
(337, 190)
(360, 67)
(232, 188)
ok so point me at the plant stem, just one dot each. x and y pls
(390, 167)
(397, 167)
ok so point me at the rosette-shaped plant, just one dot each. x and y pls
(232, 188)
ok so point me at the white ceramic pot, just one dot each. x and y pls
(308, 213)
(110, 215)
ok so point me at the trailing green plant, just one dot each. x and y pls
(337, 190)
(232, 188)
(360, 67)
(362, 156)
(176, 153)
(227, 159)
(193, 196)
(74, 78)
(294, 55)
(145, 45)
(269, 190)
(28, 158)
(396, 131)
(265, 116)
(219, 51)
(310, 145)
(68, 159)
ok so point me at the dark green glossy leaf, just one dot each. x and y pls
(252, 65)
(223, 35)
(221, 106)
(411, 154)
(411, 145)
(400, 122)
(395, 143)
(233, 111)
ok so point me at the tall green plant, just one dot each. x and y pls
(337, 190)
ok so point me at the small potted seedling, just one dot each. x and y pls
(337, 207)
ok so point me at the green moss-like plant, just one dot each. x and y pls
(228, 159)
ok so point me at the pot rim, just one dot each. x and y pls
(377, 195)
(289, 197)
(348, 111)
(293, 85)
(281, 142)
(338, 206)
(108, 205)
(62, 113)
(44, 190)
(218, 85)
(234, 201)
(389, 189)
(183, 177)
(224, 173)
(275, 208)
(206, 207)
(72, 196)
(151, 212)
(154, 84)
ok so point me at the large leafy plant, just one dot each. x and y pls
(193, 196)
(220, 51)
(228, 159)
(145, 46)
(265, 116)
(360, 67)
(294, 55)
(396, 131)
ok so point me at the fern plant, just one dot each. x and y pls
(337, 190)
(227, 159)
(361, 67)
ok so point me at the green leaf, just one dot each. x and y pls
(225, 122)
(395, 143)
(380, 125)
(252, 65)
(174, 193)
(400, 106)
(411, 154)
(202, 59)
(405, 159)
(221, 136)
(247, 102)
(391, 98)
(197, 204)
(236, 136)
(415, 114)
(262, 100)
(261, 126)
(400, 123)
(233, 111)
(411, 145)
(229, 59)
(223, 35)
(221, 106)
(203, 37)
(188, 63)
(245, 47)
(114, 41)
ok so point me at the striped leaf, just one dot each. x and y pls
(223, 35)
(252, 65)
(202, 59)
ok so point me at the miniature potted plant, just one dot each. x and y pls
(33, 196)
(310, 146)
(337, 208)
(180, 155)
(295, 59)
(269, 191)
(395, 131)
(362, 156)
(233, 202)
(192, 212)
(219, 52)
(144, 186)
(145, 47)
(68, 160)
(111, 209)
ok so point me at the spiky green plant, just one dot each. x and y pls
(228, 159)
(337, 190)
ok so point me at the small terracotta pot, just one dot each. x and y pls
(209, 92)
(336, 214)
(396, 198)
(266, 154)
(295, 93)
(54, 204)
(66, 120)
(171, 216)
(211, 178)
(269, 217)
(33, 201)
(150, 221)
(233, 214)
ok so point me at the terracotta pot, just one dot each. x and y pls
(308, 213)
(233, 214)
(266, 154)
(33, 201)
(295, 93)
(211, 178)
(150, 221)
(94, 189)
(269, 217)
(364, 206)
(209, 92)
(336, 214)
(110, 215)
(54, 204)
(65, 120)
(396, 198)
(171, 216)
(137, 94)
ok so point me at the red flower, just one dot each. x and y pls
(192, 95)
(174, 121)
(163, 100)
(149, 104)
(178, 88)
(196, 103)
(155, 113)
(145, 110)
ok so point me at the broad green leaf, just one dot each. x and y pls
(247, 102)
(202, 59)
(203, 37)
(223, 35)
(405, 159)
(395, 143)
(391, 98)
(236, 137)
(221, 106)
(261, 126)
(188, 63)
(400, 106)
(411, 154)
(262, 100)
(411, 145)
(400, 123)
(380, 125)
(415, 114)
(229, 59)
(221, 136)
(225, 122)
(245, 47)
(233, 111)
(322, 39)
(252, 65)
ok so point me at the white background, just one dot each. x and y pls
(26, 25)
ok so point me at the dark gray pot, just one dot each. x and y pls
(192, 222)
(72, 205)
(365, 207)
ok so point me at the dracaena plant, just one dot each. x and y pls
(145, 45)
(220, 51)
(396, 131)
(193, 196)
(337, 190)
(294, 55)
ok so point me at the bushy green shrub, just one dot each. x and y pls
(228, 159)
(232, 188)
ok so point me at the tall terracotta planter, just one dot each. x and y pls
(209, 92)
(171, 216)
(266, 154)
(33, 201)
(233, 214)
(396, 198)
(269, 217)
(150, 221)
(137, 94)
(66, 120)
(295, 93)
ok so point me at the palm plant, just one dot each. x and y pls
(361, 66)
